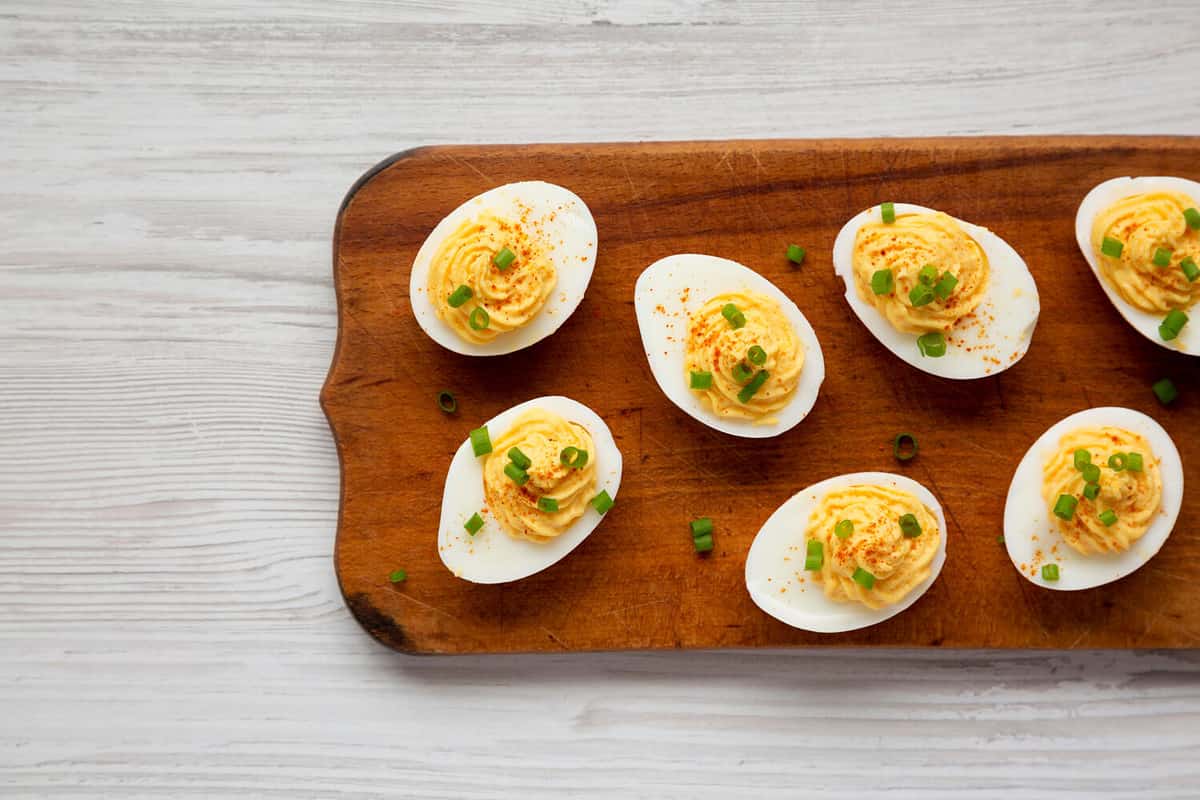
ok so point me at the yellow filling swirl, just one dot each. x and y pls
(1133, 496)
(1144, 223)
(904, 247)
(877, 544)
(511, 297)
(716, 347)
(541, 436)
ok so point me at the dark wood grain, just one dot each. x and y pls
(636, 583)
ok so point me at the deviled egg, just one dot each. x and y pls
(1093, 499)
(847, 552)
(948, 297)
(727, 346)
(505, 269)
(1141, 237)
(525, 489)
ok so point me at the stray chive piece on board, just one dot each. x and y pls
(887, 211)
(905, 447)
(447, 402)
(796, 253)
(481, 443)
(474, 524)
(702, 530)
(399, 576)
(1050, 572)
(602, 502)
(1165, 391)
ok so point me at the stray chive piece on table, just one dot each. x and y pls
(702, 534)
(1172, 324)
(887, 211)
(883, 282)
(814, 557)
(1050, 572)
(1165, 391)
(905, 447)
(796, 253)
(932, 345)
(481, 442)
(504, 259)
(399, 576)
(447, 402)
(602, 502)
(474, 524)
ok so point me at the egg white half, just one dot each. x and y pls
(804, 605)
(1095, 202)
(1010, 306)
(491, 555)
(573, 234)
(1027, 515)
(664, 335)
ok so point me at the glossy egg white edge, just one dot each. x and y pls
(575, 238)
(1027, 515)
(491, 555)
(664, 335)
(805, 605)
(1095, 202)
(1011, 301)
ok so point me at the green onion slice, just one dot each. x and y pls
(1162, 257)
(520, 459)
(1111, 247)
(1190, 270)
(756, 355)
(888, 212)
(503, 259)
(927, 275)
(459, 296)
(1117, 462)
(1108, 517)
(863, 578)
(399, 576)
(1133, 462)
(1082, 458)
(547, 504)
(945, 287)
(920, 295)
(796, 253)
(844, 529)
(481, 443)
(1050, 572)
(1193, 218)
(750, 389)
(734, 315)
(742, 373)
(473, 524)
(1091, 473)
(447, 402)
(573, 457)
(701, 380)
(1064, 508)
(905, 447)
(909, 526)
(703, 544)
(883, 282)
(1172, 324)
(1091, 491)
(814, 557)
(932, 344)
(479, 319)
(701, 527)
(518, 476)
(602, 502)
(1165, 391)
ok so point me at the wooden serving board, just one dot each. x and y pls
(636, 582)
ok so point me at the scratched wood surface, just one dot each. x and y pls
(170, 622)
(636, 582)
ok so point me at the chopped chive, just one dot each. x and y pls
(1190, 270)
(909, 526)
(1108, 517)
(945, 287)
(920, 295)
(750, 389)
(520, 459)
(1117, 462)
(447, 402)
(742, 373)
(1064, 508)
(518, 476)
(573, 457)
(503, 259)
(1162, 257)
(738, 321)
(459, 296)
(756, 355)
(481, 443)
(602, 502)
(1091, 491)
(701, 380)
(1133, 462)
(904, 447)
(932, 344)
(883, 282)
(1050, 572)
(1000, 538)
(1091, 473)
(1082, 458)
(927, 275)
(843, 529)
(734, 315)
(1165, 391)
(1193, 218)
(399, 576)
(863, 578)
(473, 524)
(547, 504)
(1111, 247)
(703, 544)
(479, 319)
(796, 253)
(888, 212)
(1172, 324)
(701, 527)
(814, 557)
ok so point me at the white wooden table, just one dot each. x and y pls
(169, 620)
